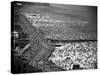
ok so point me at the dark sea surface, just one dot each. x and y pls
(76, 12)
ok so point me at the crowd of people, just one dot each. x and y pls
(83, 54)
